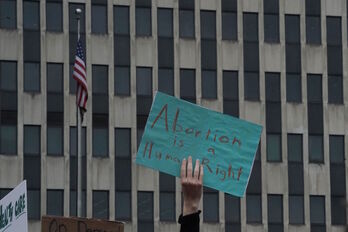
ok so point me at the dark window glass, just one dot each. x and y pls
(31, 15)
(275, 210)
(34, 204)
(250, 27)
(8, 14)
(313, 30)
(271, 6)
(100, 204)
(251, 86)
(313, 7)
(167, 197)
(232, 210)
(8, 76)
(274, 148)
(336, 149)
(165, 52)
(229, 20)
(165, 22)
(186, 19)
(315, 148)
(293, 88)
(253, 208)
(8, 136)
(335, 89)
(317, 210)
(31, 46)
(31, 77)
(121, 20)
(99, 18)
(145, 212)
(54, 16)
(54, 78)
(337, 179)
(208, 24)
(208, 54)
(210, 205)
(251, 56)
(100, 142)
(334, 60)
(295, 148)
(166, 81)
(73, 203)
(123, 209)
(122, 50)
(315, 118)
(122, 81)
(296, 209)
(230, 85)
(123, 143)
(338, 210)
(209, 84)
(54, 140)
(144, 90)
(295, 178)
(4, 192)
(333, 30)
(314, 88)
(32, 140)
(55, 202)
(188, 85)
(143, 18)
(293, 58)
(272, 87)
(292, 29)
(271, 28)
(100, 80)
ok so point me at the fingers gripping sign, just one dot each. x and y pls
(192, 185)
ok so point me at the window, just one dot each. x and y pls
(8, 107)
(31, 77)
(100, 204)
(315, 118)
(313, 23)
(293, 58)
(188, 85)
(295, 148)
(296, 209)
(230, 93)
(143, 18)
(334, 60)
(122, 51)
(31, 15)
(123, 176)
(253, 208)
(145, 211)
(209, 84)
(73, 170)
(166, 81)
(167, 197)
(8, 14)
(32, 169)
(275, 213)
(100, 110)
(271, 21)
(251, 56)
(317, 213)
(232, 213)
(211, 202)
(55, 202)
(4, 192)
(273, 117)
(55, 109)
(99, 17)
(337, 180)
(208, 53)
(54, 15)
(229, 20)
(186, 18)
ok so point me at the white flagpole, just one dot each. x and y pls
(79, 157)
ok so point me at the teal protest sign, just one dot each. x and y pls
(226, 146)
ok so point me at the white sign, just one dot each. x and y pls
(13, 210)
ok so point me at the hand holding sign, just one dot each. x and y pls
(225, 145)
(192, 186)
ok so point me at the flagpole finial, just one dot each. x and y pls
(78, 12)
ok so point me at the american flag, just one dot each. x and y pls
(79, 75)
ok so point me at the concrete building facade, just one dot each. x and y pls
(278, 63)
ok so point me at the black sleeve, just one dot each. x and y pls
(189, 223)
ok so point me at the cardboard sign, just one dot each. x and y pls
(74, 224)
(13, 210)
(226, 146)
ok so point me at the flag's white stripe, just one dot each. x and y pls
(78, 76)
(77, 58)
(80, 68)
